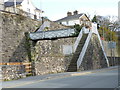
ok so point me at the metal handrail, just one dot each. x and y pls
(79, 61)
(94, 30)
(102, 47)
(78, 40)
(52, 34)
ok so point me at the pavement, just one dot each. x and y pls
(43, 78)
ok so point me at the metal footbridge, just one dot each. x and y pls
(62, 33)
(52, 34)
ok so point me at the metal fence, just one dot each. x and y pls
(52, 34)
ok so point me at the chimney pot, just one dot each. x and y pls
(75, 12)
(69, 13)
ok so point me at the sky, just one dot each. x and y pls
(57, 9)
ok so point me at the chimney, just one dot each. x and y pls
(75, 12)
(69, 13)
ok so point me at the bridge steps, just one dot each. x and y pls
(73, 64)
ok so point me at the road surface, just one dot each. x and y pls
(104, 78)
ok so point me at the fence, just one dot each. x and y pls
(52, 34)
(28, 66)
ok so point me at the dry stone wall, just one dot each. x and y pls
(13, 29)
(94, 57)
(12, 72)
(13, 38)
(49, 56)
(14, 42)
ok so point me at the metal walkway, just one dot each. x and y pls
(61, 33)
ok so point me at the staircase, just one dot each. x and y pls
(73, 64)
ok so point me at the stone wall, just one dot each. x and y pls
(14, 46)
(49, 56)
(12, 72)
(13, 38)
(94, 57)
(13, 29)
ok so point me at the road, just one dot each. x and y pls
(104, 78)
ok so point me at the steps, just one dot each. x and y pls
(73, 64)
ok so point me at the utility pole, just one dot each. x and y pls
(119, 10)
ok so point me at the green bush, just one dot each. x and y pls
(77, 29)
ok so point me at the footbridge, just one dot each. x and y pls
(80, 45)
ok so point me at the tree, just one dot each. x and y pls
(77, 29)
(94, 19)
(107, 34)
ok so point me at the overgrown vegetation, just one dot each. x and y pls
(107, 34)
(27, 46)
(104, 28)
(77, 29)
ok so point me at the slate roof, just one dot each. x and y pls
(72, 17)
(38, 9)
(11, 3)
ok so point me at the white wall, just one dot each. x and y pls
(30, 8)
(26, 6)
(64, 23)
(38, 15)
(71, 22)
(1, 4)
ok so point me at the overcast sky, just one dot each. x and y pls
(56, 9)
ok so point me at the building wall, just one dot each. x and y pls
(28, 8)
(82, 20)
(1, 4)
(73, 22)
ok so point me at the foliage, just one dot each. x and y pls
(27, 45)
(107, 34)
(94, 19)
(78, 28)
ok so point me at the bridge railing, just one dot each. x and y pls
(78, 40)
(79, 61)
(93, 30)
(51, 34)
